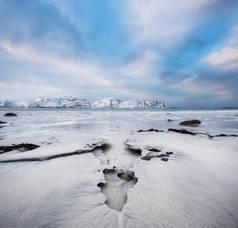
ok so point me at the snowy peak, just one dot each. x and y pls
(109, 102)
(74, 102)
(143, 104)
(60, 102)
(112, 102)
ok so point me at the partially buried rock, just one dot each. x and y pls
(146, 157)
(10, 114)
(190, 123)
(109, 170)
(2, 122)
(20, 147)
(150, 130)
(153, 149)
(101, 185)
(169, 153)
(127, 176)
(164, 159)
(182, 131)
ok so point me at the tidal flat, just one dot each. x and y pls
(63, 168)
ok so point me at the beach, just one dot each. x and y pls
(110, 168)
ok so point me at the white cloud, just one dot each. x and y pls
(195, 86)
(227, 57)
(161, 23)
(79, 77)
(86, 73)
(143, 71)
(20, 90)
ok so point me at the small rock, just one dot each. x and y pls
(190, 123)
(108, 170)
(182, 131)
(20, 147)
(150, 130)
(101, 184)
(9, 114)
(127, 176)
(153, 149)
(2, 122)
(169, 120)
(146, 157)
(169, 153)
(133, 148)
(164, 159)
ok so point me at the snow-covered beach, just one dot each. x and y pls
(119, 169)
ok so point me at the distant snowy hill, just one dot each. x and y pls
(144, 104)
(60, 102)
(73, 102)
(112, 102)
(109, 102)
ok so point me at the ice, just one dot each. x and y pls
(196, 187)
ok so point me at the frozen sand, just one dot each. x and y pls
(196, 187)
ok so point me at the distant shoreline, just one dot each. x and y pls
(115, 109)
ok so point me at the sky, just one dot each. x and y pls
(184, 52)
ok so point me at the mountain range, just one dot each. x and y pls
(74, 102)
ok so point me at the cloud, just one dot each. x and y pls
(84, 71)
(87, 76)
(226, 58)
(142, 69)
(160, 23)
(39, 23)
(18, 90)
(195, 86)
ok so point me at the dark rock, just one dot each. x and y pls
(127, 176)
(153, 149)
(108, 170)
(150, 130)
(169, 153)
(2, 122)
(182, 131)
(147, 157)
(164, 159)
(133, 149)
(45, 158)
(223, 135)
(9, 114)
(163, 155)
(190, 123)
(20, 147)
(101, 184)
(169, 120)
(150, 155)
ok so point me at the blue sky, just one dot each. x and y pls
(182, 52)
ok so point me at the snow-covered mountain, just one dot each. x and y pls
(13, 104)
(143, 104)
(74, 102)
(109, 102)
(112, 102)
(60, 102)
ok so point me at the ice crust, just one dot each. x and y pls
(197, 187)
